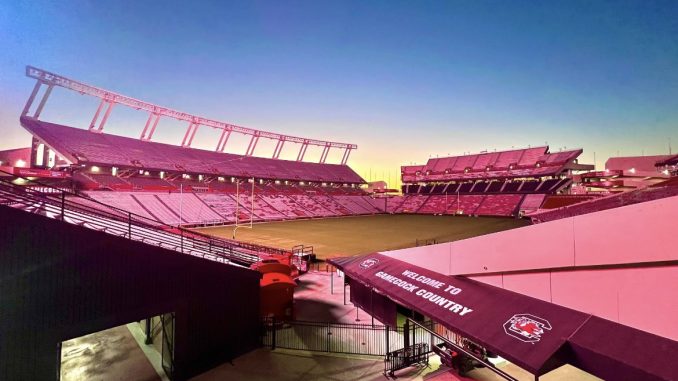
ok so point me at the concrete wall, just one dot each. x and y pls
(620, 264)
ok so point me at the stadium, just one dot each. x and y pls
(130, 257)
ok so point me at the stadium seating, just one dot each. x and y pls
(393, 203)
(351, 204)
(529, 162)
(436, 205)
(89, 214)
(225, 206)
(156, 207)
(329, 203)
(121, 200)
(285, 206)
(532, 202)
(84, 147)
(607, 202)
(412, 204)
(499, 205)
(309, 205)
(191, 208)
(469, 204)
(263, 211)
(149, 183)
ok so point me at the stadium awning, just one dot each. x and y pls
(613, 351)
(528, 332)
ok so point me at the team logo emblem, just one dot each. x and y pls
(527, 328)
(366, 264)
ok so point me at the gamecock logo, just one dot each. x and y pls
(527, 328)
(366, 264)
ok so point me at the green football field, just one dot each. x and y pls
(345, 236)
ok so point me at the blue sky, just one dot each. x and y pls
(403, 80)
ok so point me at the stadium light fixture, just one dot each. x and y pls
(20, 163)
(632, 170)
(95, 169)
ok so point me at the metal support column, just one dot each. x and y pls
(96, 114)
(252, 145)
(278, 148)
(325, 153)
(344, 291)
(195, 129)
(302, 151)
(38, 111)
(223, 139)
(347, 153)
(31, 98)
(155, 124)
(148, 123)
(187, 134)
(106, 115)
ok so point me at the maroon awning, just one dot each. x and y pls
(538, 336)
(522, 329)
(613, 351)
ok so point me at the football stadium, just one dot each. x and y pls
(130, 257)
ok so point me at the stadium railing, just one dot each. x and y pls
(36, 197)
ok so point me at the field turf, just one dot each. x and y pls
(346, 236)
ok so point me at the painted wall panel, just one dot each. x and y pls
(642, 232)
(589, 291)
(533, 247)
(648, 301)
(432, 257)
(536, 285)
(494, 280)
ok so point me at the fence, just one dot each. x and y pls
(359, 339)
(400, 347)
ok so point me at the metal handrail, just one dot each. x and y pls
(71, 205)
(466, 352)
(128, 230)
(150, 221)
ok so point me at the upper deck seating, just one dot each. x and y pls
(528, 162)
(85, 147)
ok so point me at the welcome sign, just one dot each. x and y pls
(524, 330)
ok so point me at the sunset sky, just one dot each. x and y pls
(403, 80)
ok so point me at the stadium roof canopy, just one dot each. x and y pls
(83, 147)
(536, 335)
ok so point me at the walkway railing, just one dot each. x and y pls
(357, 339)
(36, 197)
(400, 347)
